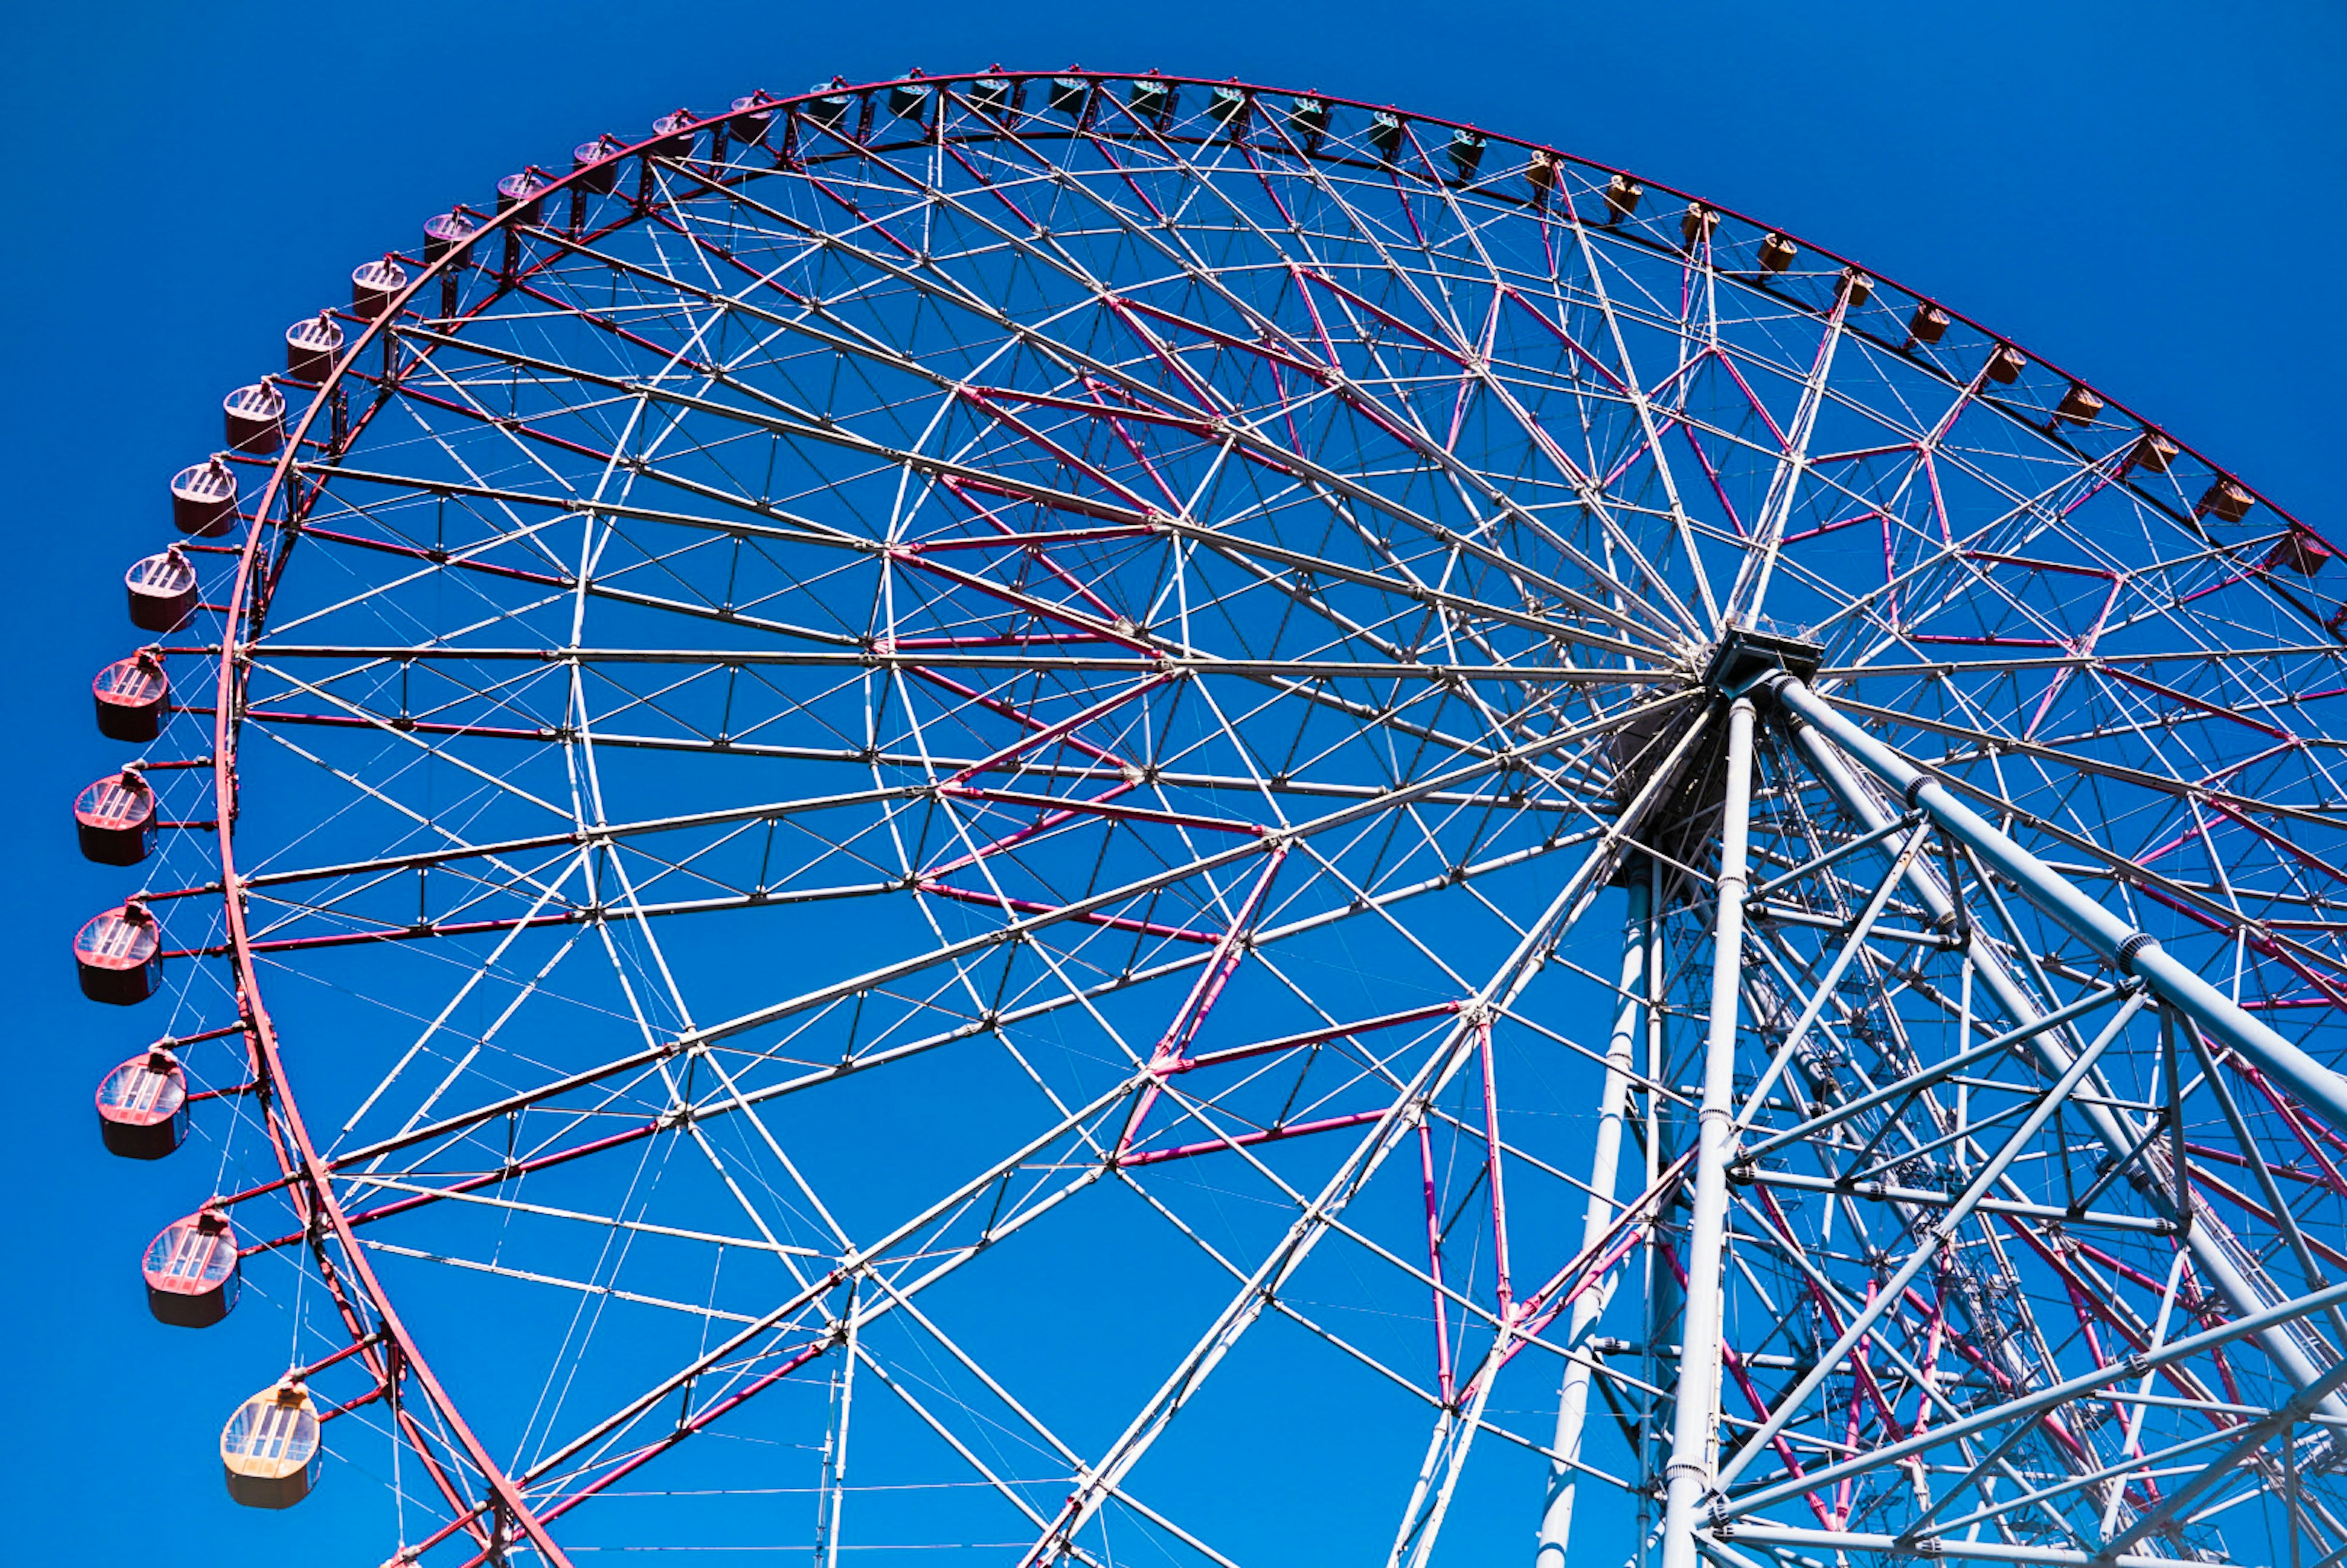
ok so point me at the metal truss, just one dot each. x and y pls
(1108, 819)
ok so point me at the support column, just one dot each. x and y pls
(2202, 1235)
(1613, 1106)
(1696, 1421)
(1661, 1301)
(2127, 949)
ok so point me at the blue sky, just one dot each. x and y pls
(2146, 196)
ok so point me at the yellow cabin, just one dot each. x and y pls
(270, 1448)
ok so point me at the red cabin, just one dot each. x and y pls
(192, 1271)
(119, 955)
(524, 190)
(270, 1448)
(131, 695)
(115, 819)
(2227, 501)
(373, 285)
(256, 417)
(2080, 406)
(751, 117)
(163, 594)
(142, 1106)
(203, 499)
(310, 347)
(2154, 452)
(675, 140)
(997, 99)
(598, 170)
(445, 232)
(2300, 550)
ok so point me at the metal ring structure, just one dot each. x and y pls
(1990, 1142)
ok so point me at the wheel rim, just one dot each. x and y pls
(1294, 740)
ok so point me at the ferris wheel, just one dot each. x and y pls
(1107, 819)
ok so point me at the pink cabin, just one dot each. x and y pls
(192, 1271)
(115, 819)
(162, 589)
(142, 1107)
(118, 955)
(203, 499)
(270, 1449)
(131, 694)
(312, 345)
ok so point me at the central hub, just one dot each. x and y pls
(1685, 815)
(1743, 655)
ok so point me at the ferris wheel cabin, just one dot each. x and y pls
(192, 1272)
(115, 819)
(119, 955)
(131, 695)
(269, 1449)
(203, 499)
(142, 1107)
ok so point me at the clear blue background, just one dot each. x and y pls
(2152, 195)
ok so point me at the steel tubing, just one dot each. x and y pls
(2202, 1235)
(302, 1161)
(2126, 948)
(1696, 1421)
(2022, 1406)
(1851, 1541)
(1604, 1164)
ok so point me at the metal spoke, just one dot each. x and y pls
(932, 784)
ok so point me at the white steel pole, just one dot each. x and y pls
(1696, 1423)
(1656, 1278)
(1612, 1105)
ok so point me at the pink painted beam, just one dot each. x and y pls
(1035, 907)
(1247, 1140)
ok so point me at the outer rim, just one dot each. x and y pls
(390, 1350)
